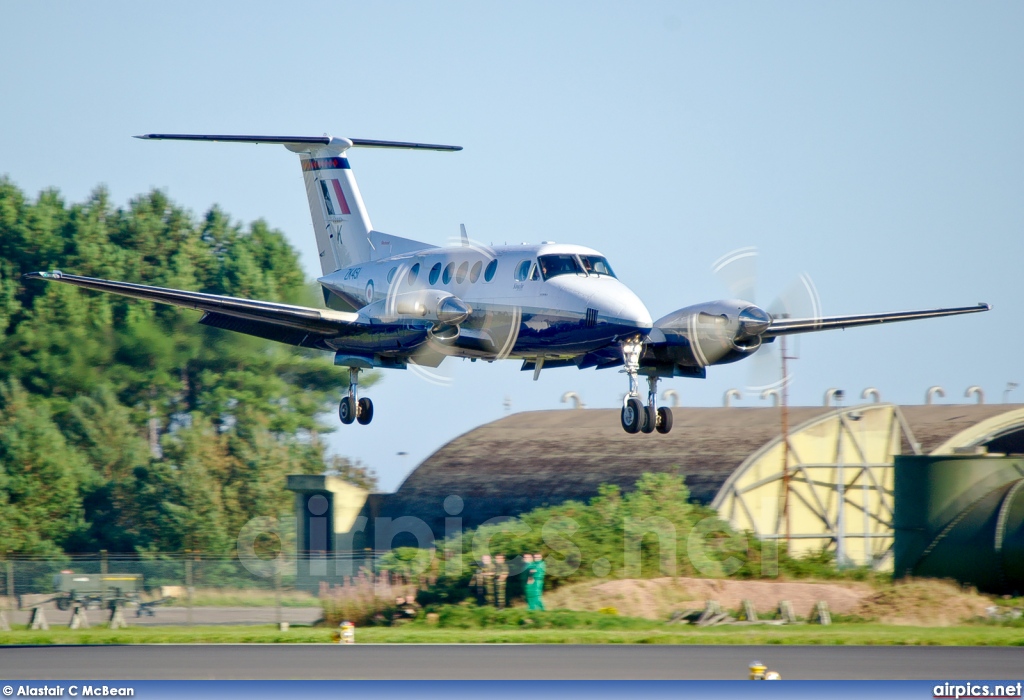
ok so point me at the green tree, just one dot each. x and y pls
(157, 433)
(40, 477)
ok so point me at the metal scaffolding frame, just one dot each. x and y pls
(845, 456)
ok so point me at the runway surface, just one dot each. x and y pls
(424, 661)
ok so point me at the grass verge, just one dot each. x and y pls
(837, 634)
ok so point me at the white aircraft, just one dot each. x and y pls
(393, 301)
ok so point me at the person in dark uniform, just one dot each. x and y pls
(406, 608)
(500, 579)
(476, 584)
(488, 572)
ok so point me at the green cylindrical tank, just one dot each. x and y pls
(961, 517)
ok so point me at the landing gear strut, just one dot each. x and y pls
(637, 418)
(352, 408)
(634, 416)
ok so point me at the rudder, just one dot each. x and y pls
(339, 216)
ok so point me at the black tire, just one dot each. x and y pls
(365, 413)
(632, 415)
(346, 411)
(650, 420)
(63, 603)
(664, 420)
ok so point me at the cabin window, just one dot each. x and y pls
(523, 271)
(492, 267)
(474, 273)
(460, 276)
(435, 271)
(448, 269)
(414, 272)
(391, 274)
(596, 265)
(555, 265)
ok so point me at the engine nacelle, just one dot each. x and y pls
(712, 333)
(440, 307)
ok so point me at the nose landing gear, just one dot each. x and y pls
(637, 418)
(352, 409)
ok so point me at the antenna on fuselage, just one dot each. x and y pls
(465, 236)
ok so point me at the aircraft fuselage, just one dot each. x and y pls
(526, 301)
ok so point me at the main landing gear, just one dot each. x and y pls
(353, 409)
(637, 418)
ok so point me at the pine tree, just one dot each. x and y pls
(150, 432)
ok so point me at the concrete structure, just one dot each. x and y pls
(961, 516)
(731, 459)
(326, 511)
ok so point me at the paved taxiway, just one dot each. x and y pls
(426, 661)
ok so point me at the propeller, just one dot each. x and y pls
(737, 270)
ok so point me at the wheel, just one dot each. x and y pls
(650, 419)
(365, 413)
(63, 603)
(632, 415)
(664, 420)
(346, 411)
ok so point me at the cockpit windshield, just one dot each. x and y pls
(555, 265)
(596, 265)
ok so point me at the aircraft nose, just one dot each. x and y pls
(617, 304)
(633, 312)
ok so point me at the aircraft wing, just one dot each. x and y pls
(791, 326)
(294, 325)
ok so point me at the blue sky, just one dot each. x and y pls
(877, 147)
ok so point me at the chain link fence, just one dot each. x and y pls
(185, 587)
(184, 575)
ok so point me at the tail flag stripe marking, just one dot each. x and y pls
(325, 164)
(342, 202)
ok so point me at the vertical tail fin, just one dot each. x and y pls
(344, 235)
(339, 216)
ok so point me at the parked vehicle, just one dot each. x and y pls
(95, 591)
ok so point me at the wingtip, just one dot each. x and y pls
(985, 306)
(141, 136)
(55, 275)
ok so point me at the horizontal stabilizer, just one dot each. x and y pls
(298, 141)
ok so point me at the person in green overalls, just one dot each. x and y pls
(529, 570)
(541, 568)
(536, 567)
